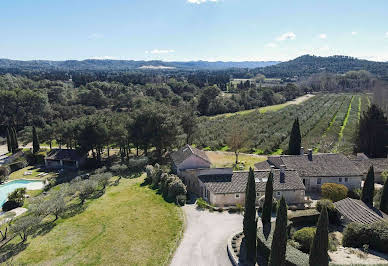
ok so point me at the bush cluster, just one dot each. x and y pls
(334, 192)
(294, 257)
(331, 210)
(171, 186)
(375, 235)
(4, 173)
(305, 238)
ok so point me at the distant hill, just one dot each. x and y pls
(307, 64)
(94, 64)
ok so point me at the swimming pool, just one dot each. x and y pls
(9, 187)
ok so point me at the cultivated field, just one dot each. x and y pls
(327, 121)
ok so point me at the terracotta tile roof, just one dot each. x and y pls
(185, 152)
(236, 183)
(358, 212)
(63, 154)
(322, 164)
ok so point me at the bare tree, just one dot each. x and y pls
(237, 139)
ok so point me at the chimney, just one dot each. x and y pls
(310, 154)
(282, 173)
(301, 151)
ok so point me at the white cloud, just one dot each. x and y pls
(160, 51)
(386, 34)
(354, 33)
(271, 45)
(200, 1)
(322, 36)
(286, 36)
(95, 36)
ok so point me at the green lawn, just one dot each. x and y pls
(227, 159)
(19, 174)
(128, 225)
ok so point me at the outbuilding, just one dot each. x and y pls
(64, 158)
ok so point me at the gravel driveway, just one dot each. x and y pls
(205, 237)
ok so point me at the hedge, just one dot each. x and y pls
(304, 217)
(334, 192)
(305, 238)
(294, 257)
(375, 235)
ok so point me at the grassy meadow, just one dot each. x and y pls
(129, 225)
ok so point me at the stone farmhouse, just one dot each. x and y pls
(64, 158)
(225, 187)
(380, 165)
(317, 169)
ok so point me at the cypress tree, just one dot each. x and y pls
(384, 198)
(369, 187)
(279, 240)
(320, 245)
(9, 145)
(250, 223)
(15, 144)
(295, 142)
(267, 207)
(35, 141)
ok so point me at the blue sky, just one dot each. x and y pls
(192, 29)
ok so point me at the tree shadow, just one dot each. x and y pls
(11, 250)
(42, 228)
(73, 210)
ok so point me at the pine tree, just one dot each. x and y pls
(250, 223)
(320, 245)
(267, 207)
(35, 141)
(295, 142)
(384, 198)
(9, 145)
(369, 187)
(279, 240)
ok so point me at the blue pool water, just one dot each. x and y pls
(11, 186)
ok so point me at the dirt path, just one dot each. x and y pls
(353, 256)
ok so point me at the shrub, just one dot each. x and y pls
(201, 203)
(157, 174)
(375, 235)
(18, 196)
(294, 257)
(331, 210)
(4, 172)
(137, 164)
(39, 157)
(150, 171)
(10, 205)
(176, 187)
(334, 192)
(304, 237)
(354, 194)
(181, 200)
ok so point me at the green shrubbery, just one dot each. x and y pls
(171, 186)
(304, 237)
(4, 173)
(304, 217)
(334, 192)
(294, 257)
(15, 199)
(375, 235)
(354, 194)
(331, 210)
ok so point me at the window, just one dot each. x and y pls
(346, 179)
(319, 181)
(237, 196)
(278, 193)
(340, 179)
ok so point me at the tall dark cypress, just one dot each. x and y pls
(15, 144)
(35, 141)
(295, 142)
(267, 207)
(279, 240)
(369, 187)
(320, 245)
(9, 144)
(250, 223)
(384, 198)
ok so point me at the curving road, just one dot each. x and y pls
(205, 237)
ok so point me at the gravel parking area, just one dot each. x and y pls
(205, 238)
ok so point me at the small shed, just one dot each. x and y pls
(64, 158)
